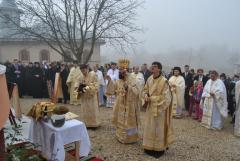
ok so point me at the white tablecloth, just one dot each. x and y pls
(51, 140)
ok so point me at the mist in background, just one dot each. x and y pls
(201, 33)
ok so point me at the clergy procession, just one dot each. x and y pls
(119, 80)
(143, 102)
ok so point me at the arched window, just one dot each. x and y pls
(44, 55)
(24, 55)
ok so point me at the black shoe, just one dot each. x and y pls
(155, 154)
(92, 128)
(158, 154)
(233, 120)
(59, 100)
(148, 152)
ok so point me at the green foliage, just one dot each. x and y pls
(21, 151)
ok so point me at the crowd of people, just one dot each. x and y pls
(206, 98)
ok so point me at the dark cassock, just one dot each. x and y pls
(64, 75)
(52, 73)
(29, 79)
(9, 72)
(45, 70)
(37, 81)
(18, 77)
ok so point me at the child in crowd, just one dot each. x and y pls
(197, 98)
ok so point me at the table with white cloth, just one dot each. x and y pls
(51, 140)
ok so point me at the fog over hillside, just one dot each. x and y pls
(208, 57)
(199, 33)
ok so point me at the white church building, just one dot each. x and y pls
(15, 46)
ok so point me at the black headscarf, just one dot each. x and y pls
(179, 69)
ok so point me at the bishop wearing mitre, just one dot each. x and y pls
(126, 108)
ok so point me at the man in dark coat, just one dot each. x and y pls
(188, 84)
(201, 77)
(232, 99)
(146, 72)
(52, 73)
(226, 82)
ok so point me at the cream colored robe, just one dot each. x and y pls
(214, 108)
(237, 111)
(89, 100)
(178, 94)
(74, 75)
(139, 80)
(126, 109)
(158, 128)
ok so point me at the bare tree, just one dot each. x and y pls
(74, 24)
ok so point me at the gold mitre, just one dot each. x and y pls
(123, 63)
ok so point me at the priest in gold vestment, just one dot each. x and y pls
(89, 97)
(158, 128)
(126, 108)
(74, 75)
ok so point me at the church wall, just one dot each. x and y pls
(96, 58)
(29, 50)
(9, 52)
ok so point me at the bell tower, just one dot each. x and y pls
(9, 17)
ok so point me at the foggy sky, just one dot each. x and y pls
(192, 25)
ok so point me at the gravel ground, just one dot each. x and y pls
(192, 142)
